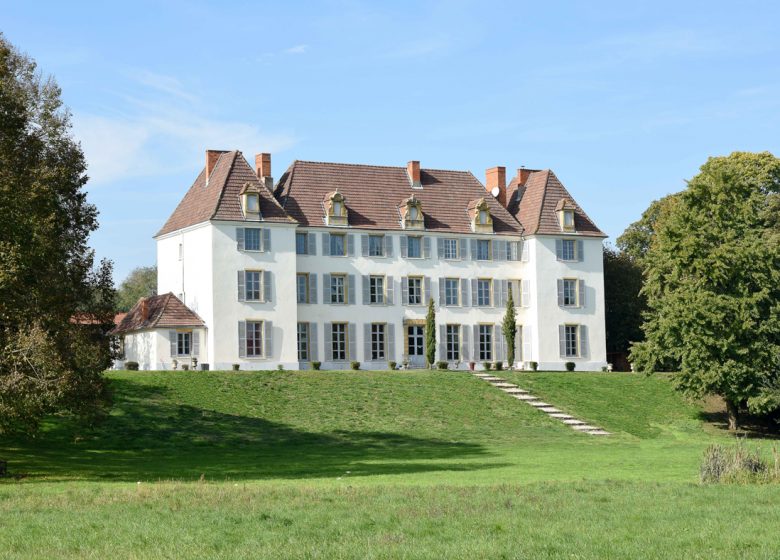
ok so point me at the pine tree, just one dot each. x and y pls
(430, 334)
(509, 328)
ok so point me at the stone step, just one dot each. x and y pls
(525, 397)
(491, 378)
(584, 428)
(597, 432)
(515, 391)
(562, 416)
(504, 385)
(539, 404)
(573, 422)
(549, 409)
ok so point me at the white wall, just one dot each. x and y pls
(152, 348)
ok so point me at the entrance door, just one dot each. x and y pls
(415, 344)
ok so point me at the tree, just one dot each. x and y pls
(430, 334)
(624, 301)
(55, 306)
(636, 240)
(509, 328)
(140, 283)
(713, 284)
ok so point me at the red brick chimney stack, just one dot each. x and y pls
(144, 309)
(495, 179)
(263, 169)
(413, 169)
(211, 160)
(523, 174)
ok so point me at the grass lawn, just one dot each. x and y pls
(379, 465)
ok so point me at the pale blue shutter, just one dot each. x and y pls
(390, 342)
(442, 298)
(314, 343)
(462, 249)
(326, 298)
(352, 336)
(526, 293)
(465, 353)
(267, 286)
(475, 339)
(196, 344)
(388, 246)
(473, 249)
(364, 245)
(366, 342)
(426, 289)
(242, 339)
(559, 249)
(440, 247)
(426, 247)
(525, 251)
(268, 333)
(328, 342)
(404, 290)
(350, 245)
(474, 297)
(311, 242)
(366, 290)
(312, 288)
(504, 292)
(240, 238)
(562, 340)
(241, 286)
(499, 250)
(518, 345)
(496, 293)
(442, 342)
(560, 293)
(173, 339)
(464, 292)
(266, 239)
(351, 289)
(326, 244)
(580, 251)
(581, 293)
(584, 348)
(499, 343)
(404, 246)
(389, 290)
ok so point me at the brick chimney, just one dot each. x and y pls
(413, 169)
(211, 160)
(495, 180)
(263, 170)
(523, 174)
(144, 309)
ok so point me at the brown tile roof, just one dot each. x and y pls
(534, 204)
(374, 193)
(161, 311)
(219, 200)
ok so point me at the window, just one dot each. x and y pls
(252, 204)
(450, 249)
(303, 342)
(337, 208)
(415, 290)
(483, 249)
(571, 342)
(452, 342)
(486, 343)
(413, 213)
(568, 220)
(254, 338)
(377, 341)
(338, 289)
(339, 341)
(253, 285)
(338, 244)
(568, 250)
(414, 247)
(570, 292)
(451, 291)
(302, 287)
(300, 244)
(415, 340)
(483, 292)
(251, 239)
(376, 245)
(376, 289)
(183, 343)
(483, 217)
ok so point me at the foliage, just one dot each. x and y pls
(355, 365)
(713, 284)
(533, 365)
(132, 366)
(498, 366)
(140, 283)
(316, 365)
(623, 301)
(738, 464)
(570, 366)
(430, 334)
(441, 364)
(486, 366)
(391, 365)
(635, 242)
(56, 307)
(509, 329)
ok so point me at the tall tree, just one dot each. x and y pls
(636, 240)
(713, 284)
(509, 328)
(430, 334)
(140, 283)
(55, 307)
(624, 301)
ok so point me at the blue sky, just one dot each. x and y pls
(623, 100)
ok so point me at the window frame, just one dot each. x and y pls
(252, 325)
(249, 197)
(419, 337)
(181, 337)
(305, 236)
(564, 244)
(260, 286)
(306, 294)
(378, 342)
(373, 290)
(452, 342)
(485, 342)
(419, 240)
(447, 301)
(489, 282)
(304, 348)
(343, 237)
(344, 288)
(484, 243)
(421, 280)
(374, 237)
(575, 292)
(334, 342)
(575, 330)
(455, 241)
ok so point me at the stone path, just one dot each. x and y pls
(521, 394)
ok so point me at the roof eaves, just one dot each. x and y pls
(222, 189)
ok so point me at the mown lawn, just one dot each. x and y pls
(378, 465)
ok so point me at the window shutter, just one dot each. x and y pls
(328, 342)
(389, 288)
(366, 292)
(326, 289)
(581, 293)
(504, 292)
(491, 250)
(173, 340)
(442, 299)
(312, 288)
(496, 293)
(499, 344)
(464, 343)
(364, 245)
(442, 342)
(266, 239)
(518, 345)
(388, 246)
(404, 246)
(350, 245)
(473, 249)
(512, 251)
(268, 285)
(311, 242)
(367, 342)
(525, 248)
(242, 339)
(580, 251)
(501, 249)
(352, 338)
(464, 292)
(475, 342)
(314, 343)
(440, 247)
(560, 293)
(426, 290)
(527, 345)
(474, 298)
(351, 289)
(404, 290)
(268, 332)
(326, 244)
(559, 249)
(584, 342)
(426, 247)
(196, 344)
(390, 341)
(526, 293)
(241, 286)
(562, 340)
(240, 238)
(462, 249)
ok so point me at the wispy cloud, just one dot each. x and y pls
(297, 49)
(164, 84)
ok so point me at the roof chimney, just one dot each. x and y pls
(523, 174)
(413, 169)
(144, 309)
(495, 183)
(211, 160)
(263, 170)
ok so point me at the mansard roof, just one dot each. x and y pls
(219, 199)
(163, 311)
(372, 192)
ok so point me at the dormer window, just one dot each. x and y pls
(250, 201)
(483, 217)
(335, 209)
(412, 216)
(565, 210)
(481, 220)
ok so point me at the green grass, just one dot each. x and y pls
(378, 465)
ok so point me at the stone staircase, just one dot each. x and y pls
(522, 395)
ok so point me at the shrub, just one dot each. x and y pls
(236, 367)
(185, 367)
(737, 464)
(570, 366)
(533, 365)
(498, 366)
(391, 365)
(486, 366)
(354, 365)
(442, 365)
(132, 366)
(280, 367)
(316, 365)
(604, 368)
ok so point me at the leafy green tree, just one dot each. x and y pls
(624, 301)
(140, 283)
(56, 307)
(713, 285)
(430, 334)
(636, 240)
(509, 328)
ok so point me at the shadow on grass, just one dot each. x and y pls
(148, 437)
(751, 427)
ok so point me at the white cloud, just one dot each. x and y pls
(297, 49)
